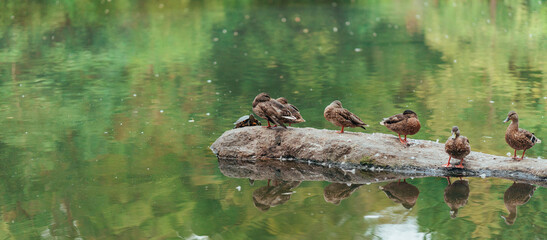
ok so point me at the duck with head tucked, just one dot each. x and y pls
(518, 138)
(457, 147)
(405, 123)
(294, 111)
(341, 117)
(271, 110)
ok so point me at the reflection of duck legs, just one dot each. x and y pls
(271, 196)
(456, 195)
(402, 192)
(516, 195)
(336, 192)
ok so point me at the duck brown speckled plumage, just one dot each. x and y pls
(516, 195)
(341, 117)
(271, 110)
(402, 192)
(405, 123)
(518, 138)
(294, 111)
(456, 195)
(457, 147)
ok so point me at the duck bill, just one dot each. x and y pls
(506, 120)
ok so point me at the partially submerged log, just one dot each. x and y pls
(376, 151)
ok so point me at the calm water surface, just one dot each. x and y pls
(108, 109)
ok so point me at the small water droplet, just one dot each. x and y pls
(209, 81)
(161, 111)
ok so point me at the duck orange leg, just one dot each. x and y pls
(448, 164)
(522, 155)
(341, 131)
(269, 126)
(515, 155)
(460, 165)
(400, 139)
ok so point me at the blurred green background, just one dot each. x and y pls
(108, 108)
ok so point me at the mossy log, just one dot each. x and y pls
(364, 151)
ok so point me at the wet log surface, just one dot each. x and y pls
(374, 153)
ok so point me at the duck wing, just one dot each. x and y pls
(393, 119)
(274, 111)
(530, 137)
(350, 117)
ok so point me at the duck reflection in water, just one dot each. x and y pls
(456, 195)
(336, 192)
(516, 195)
(402, 192)
(276, 193)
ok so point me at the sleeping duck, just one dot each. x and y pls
(341, 117)
(518, 138)
(271, 110)
(405, 123)
(294, 111)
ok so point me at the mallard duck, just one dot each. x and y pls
(516, 195)
(405, 123)
(402, 192)
(271, 196)
(271, 110)
(518, 138)
(336, 192)
(456, 195)
(341, 117)
(457, 147)
(294, 111)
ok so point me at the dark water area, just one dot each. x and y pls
(108, 110)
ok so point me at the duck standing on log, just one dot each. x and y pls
(405, 123)
(518, 138)
(341, 117)
(271, 110)
(294, 111)
(457, 147)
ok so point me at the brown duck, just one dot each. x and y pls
(336, 192)
(456, 195)
(518, 138)
(405, 123)
(402, 192)
(516, 195)
(341, 117)
(294, 111)
(457, 147)
(271, 110)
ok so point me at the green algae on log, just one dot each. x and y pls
(375, 151)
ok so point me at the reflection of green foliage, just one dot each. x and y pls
(86, 151)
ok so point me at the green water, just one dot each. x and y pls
(108, 108)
